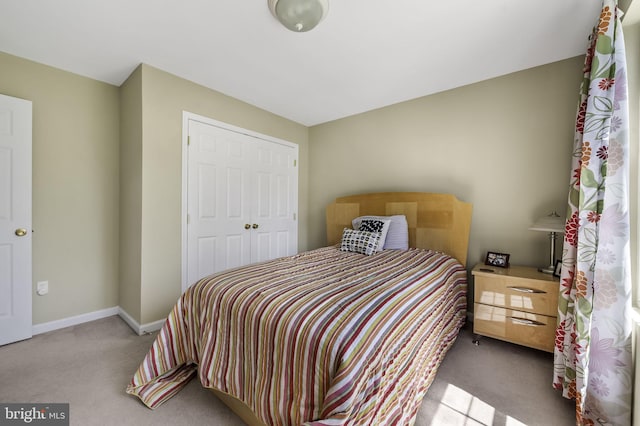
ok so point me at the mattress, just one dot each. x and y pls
(324, 337)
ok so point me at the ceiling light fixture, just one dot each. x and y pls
(299, 15)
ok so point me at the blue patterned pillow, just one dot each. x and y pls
(363, 242)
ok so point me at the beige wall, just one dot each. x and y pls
(164, 98)
(503, 144)
(631, 27)
(130, 178)
(632, 45)
(95, 254)
(75, 186)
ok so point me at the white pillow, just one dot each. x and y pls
(359, 241)
(376, 225)
(398, 234)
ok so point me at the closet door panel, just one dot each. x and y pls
(241, 199)
(218, 201)
(274, 169)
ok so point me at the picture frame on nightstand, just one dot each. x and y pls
(500, 260)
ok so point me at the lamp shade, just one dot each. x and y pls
(299, 15)
(550, 223)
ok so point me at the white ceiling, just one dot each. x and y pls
(366, 54)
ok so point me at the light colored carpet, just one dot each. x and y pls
(89, 366)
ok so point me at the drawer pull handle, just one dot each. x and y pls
(526, 290)
(525, 321)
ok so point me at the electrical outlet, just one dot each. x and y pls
(42, 288)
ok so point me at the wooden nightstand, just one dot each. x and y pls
(516, 304)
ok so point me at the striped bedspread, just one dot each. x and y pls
(324, 337)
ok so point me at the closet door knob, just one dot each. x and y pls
(247, 226)
(255, 226)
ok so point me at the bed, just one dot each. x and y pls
(331, 336)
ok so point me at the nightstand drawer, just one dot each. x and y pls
(534, 296)
(537, 331)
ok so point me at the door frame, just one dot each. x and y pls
(186, 117)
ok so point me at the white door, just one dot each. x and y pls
(15, 219)
(274, 194)
(218, 200)
(241, 199)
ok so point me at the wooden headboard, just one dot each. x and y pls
(436, 221)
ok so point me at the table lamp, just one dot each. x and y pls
(553, 224)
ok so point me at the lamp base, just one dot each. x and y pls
(548, 270)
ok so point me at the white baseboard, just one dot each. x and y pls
(78, 319)
(140, 329)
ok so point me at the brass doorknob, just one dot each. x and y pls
(255, 226)
(247, 226)
(21, 232)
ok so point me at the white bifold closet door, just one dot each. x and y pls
(241, 199)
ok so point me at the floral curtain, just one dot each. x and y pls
(592, 360)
